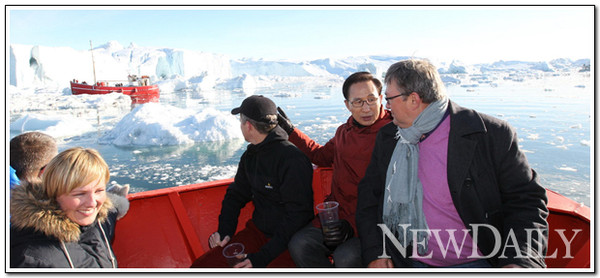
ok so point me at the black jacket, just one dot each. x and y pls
(490, 183)
(277, 177)
(38, 226)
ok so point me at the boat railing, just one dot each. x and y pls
(169, 228)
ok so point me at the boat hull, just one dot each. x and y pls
(138, 94)
(169, 228)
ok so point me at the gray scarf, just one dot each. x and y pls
(403, 203)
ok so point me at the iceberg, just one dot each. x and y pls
(33, 65)
(155, 124)
(57, 126)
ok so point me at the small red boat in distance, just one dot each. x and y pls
(139, 89)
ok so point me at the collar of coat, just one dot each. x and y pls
(30, 207)
(466, 121)
(277, 134)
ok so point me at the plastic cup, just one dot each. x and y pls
(234, 253)
(328, 214)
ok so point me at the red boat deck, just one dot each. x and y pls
(169, 228)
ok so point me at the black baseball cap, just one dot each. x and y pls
(256, 108)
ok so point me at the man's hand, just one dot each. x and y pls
(243, 264)
(215, 240)
(118, 196)
(381, 263)
(119, 190)
(337, 234)
(284, 122)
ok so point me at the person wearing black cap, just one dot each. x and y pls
(277, 178)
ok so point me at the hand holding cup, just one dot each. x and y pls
(234, 253)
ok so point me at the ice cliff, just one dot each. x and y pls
(41, 66)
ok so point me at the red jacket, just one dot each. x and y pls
(349, 153)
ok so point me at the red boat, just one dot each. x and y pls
(138, 89)
(169, 228)
(140, 93)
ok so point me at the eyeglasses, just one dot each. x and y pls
(359, 102)
(390, 98)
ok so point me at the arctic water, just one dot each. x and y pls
(552, 115)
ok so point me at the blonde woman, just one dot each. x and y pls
(68, 219)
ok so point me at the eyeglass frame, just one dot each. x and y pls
(362, 102)
(387, 99)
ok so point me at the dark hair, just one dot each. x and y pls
(358, 77)
(418, 76)
(261, 127)
(31, 151)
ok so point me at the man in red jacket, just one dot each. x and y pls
(349, 153)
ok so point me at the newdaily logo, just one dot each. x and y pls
(510, 242)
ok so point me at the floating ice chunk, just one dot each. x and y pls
(560, 139)
(287, 94)
(533, 136)
(568, 169)
(210, 125)
(57, 126)
(218, 172)
(584, 142)
(576, 126)
(155, 124)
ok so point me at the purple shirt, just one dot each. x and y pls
(440, 213)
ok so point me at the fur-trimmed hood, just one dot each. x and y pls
(30, 207)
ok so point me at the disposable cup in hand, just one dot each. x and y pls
(328, 213)
(234, 253)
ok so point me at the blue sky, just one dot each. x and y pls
(467, 33)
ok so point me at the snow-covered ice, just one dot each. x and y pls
(57, 126)
(155, 124)
(567, 168)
